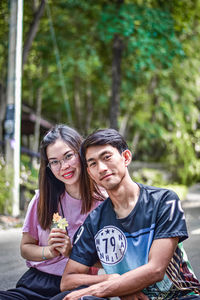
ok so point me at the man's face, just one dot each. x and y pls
(106, 166)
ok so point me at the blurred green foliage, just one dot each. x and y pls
(160, 178)
(160, 81)
(28, 178)
(28, 184)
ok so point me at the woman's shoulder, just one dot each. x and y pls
(34, 201)
(31, 219)
(35, 197)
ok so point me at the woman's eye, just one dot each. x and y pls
(68, 156)
(54, 162)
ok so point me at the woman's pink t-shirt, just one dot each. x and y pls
(72, 213)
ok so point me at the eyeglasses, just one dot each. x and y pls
(69, 158)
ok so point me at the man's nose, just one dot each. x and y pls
(102, 166)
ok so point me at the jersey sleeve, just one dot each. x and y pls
(170, 221)
(84, 249)
(31, 221)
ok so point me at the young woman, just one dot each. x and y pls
(62, 190)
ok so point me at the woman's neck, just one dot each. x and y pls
(73, 191)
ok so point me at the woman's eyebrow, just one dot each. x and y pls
(63, 155)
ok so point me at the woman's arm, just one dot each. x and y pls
(58, 243)
(30, 249)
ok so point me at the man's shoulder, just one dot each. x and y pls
(98, 214)
(101, 207)
(156, 190)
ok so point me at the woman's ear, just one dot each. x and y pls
(127, 157)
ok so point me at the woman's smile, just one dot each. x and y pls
(69, 169)
(68, 175)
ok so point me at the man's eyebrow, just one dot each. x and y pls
(90, 159)
(100, 155)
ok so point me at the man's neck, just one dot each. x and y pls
(124, 198)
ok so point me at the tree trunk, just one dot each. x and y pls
(155, 101)
(116, 81)
(116, 76)
(32, 31)
(37, 123)
(2, 113)
(77, 103)
(123, 125)
(135, 141)
(89, 107)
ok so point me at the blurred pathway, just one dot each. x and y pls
(12, 265)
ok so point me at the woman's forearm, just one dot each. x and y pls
(35, 252)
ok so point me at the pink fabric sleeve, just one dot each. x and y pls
(31, 220)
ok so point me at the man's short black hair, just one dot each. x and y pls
(101, 137)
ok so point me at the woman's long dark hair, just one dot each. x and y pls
(50, 187)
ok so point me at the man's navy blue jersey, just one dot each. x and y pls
(123, 244)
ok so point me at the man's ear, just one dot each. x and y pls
(127, 157)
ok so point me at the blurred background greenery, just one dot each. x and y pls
(131, 65)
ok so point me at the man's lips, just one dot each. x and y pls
(105, 176)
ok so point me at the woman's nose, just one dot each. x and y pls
(64, 164)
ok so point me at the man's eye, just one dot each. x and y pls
(92, 164)
(107, 157)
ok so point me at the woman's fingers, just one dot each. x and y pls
(65, 248)
(56, 235)
(59, 242)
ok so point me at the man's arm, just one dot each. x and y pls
(136, 280)
(70, 280)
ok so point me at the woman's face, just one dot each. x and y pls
(64, 163)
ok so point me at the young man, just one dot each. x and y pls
(136, 233)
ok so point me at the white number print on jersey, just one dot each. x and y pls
(111, 245)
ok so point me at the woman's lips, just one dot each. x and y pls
(68, 175)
